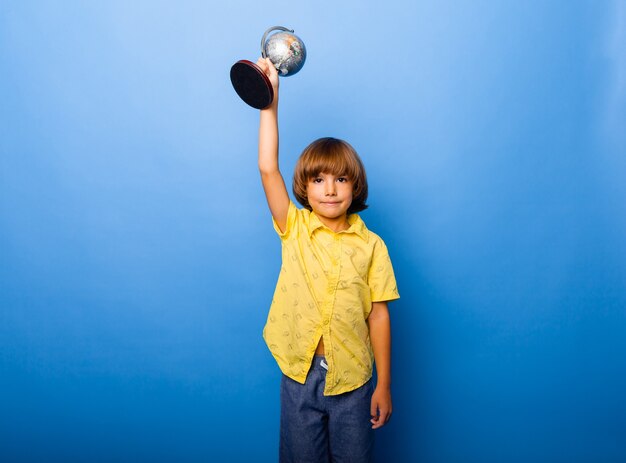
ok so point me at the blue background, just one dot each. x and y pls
(137, 257)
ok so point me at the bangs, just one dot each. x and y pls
(332, 158)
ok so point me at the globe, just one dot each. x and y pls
(286, 51)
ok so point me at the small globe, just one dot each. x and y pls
(287, 52)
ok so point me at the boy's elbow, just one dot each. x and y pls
(268, 170)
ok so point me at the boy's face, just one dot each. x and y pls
(330, 196)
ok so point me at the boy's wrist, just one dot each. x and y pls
(272, 107)
(383, 383)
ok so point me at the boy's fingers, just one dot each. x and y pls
(376, 418)
(271, 69)
(377, 422)
(267, 67)
(381, 418)
(374, 410)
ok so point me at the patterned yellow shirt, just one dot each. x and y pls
(326, 287)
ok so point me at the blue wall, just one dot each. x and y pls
(137, 258)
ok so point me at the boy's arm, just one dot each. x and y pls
(380, 336)
(273, 183)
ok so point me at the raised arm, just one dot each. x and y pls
(273, 183)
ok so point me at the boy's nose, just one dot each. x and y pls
(330, 189)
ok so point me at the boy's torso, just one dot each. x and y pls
(323, 290)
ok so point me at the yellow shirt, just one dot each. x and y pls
(326, 287)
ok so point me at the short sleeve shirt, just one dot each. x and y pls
(327, 283)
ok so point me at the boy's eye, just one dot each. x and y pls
(317, 180)
(342, 179)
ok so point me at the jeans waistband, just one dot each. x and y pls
(319, 363)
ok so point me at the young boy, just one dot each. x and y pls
(329, 311)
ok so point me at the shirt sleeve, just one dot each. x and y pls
(292, 216)
(381, 279)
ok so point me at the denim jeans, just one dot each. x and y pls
(319, 429)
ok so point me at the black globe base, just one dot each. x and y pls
(251, 84)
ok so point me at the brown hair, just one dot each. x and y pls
(331, 156)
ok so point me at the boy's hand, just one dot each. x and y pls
(270, 71)
(381, 406)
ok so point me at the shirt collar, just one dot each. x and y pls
(357, 225)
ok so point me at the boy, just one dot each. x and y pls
(329, 311)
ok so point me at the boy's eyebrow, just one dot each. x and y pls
(328, 173)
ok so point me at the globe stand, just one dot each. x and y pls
(251, 84)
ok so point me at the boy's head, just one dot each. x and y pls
(335, 157)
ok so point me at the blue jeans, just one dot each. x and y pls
(319, 429)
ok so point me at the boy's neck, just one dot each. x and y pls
(336, 224)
